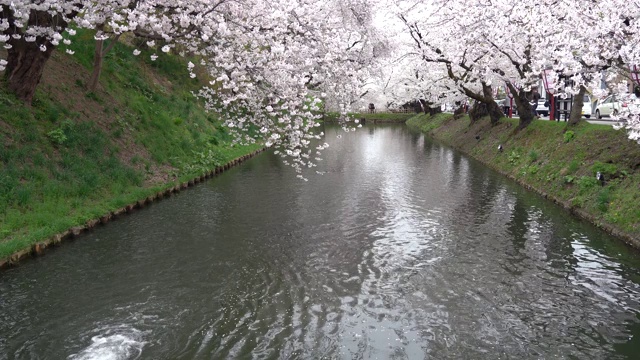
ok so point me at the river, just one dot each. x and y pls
(402, 249)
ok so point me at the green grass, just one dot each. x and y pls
(559, 161)
(59, 168)
(427, 123)
(378, 117)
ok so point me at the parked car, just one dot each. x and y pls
(609, 106)
(587, 106)
(543, 107)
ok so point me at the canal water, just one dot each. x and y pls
(403, 249)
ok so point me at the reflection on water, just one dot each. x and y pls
(403, 249)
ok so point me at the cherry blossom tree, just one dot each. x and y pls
(275, 64)
(482, 44)
(444, 41)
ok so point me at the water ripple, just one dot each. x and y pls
(404, 249)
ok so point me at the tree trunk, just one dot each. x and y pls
(486, 106)
(490, 106)
(522, 104)
(98, 58)
(493, 110)
(478, 110)
(428, 109)
(576, 107)
(25, 60)
(459, 111)
(25, 65)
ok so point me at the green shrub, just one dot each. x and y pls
(57, 136)
(533, 156)
(569, 135)
(530, 170)
(203, 161)
(604, 169)
(587, 182)
(513, 157)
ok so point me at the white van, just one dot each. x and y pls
(587, 107)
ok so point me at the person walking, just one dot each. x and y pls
(535, 96)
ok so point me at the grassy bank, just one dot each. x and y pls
(373, 118)
(74, 156)
(559, 162)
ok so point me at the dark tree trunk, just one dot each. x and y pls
(459, 111)
(25, 65)
(25, 60)
(435, 110)
(489, 105)
(428, 109)
(478, 110)
(493, 110)
(98, 58)
(576, 107)
(522, 104)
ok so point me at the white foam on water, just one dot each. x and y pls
(123, 345)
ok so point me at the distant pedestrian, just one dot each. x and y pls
(535, 96)
(372, 108)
